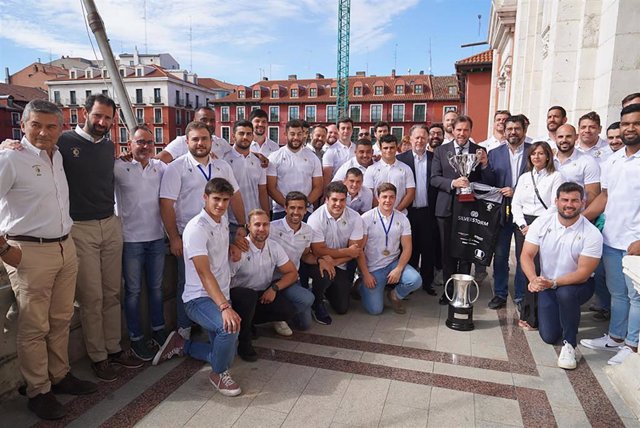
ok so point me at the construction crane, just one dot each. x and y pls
(342, 98)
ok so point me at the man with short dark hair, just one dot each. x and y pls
(318, 140)
(362, 159)
(633, 98)
(359, 197)
(556, 117)
(338, 153)
(380, 129)
(498, 136)
(589, 141)
(614, 138)
(436, 136)
(261, 142)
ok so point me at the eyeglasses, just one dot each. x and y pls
(363, 134)
(143, 142)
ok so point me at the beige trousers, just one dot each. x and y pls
(99, 245)
(44, 284)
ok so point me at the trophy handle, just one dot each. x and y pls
(445, 289)
(477, 291)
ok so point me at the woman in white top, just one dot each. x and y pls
(534, 195)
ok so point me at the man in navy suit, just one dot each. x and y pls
(447, 181)
(508, 162)
(421, 212)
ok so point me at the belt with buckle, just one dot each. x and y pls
(24, 238)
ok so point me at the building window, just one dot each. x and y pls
(447, 109)
(158, 134)
(178, 132)
(72, 98)
(122, 72)
(224, 114)
(275, 93)
(87, 94)
(378, 90)
(157, 115)
(124, 150)
(225, 130)
(139, 72)
(73, 116)
(355, 112)
(157, 97)
(178, 117)
(140, 116)
(138, 96)
(376, 112)
(241, 94)
(16, 133)
(197, 101)
(158, 150)
(418, 89)
(294, 93)
(73, 74)
(334, 91)
(453, 90)
(357, 91)
(121, 118)
(105, 92)
(15, 118)
(178, 102)
(187, 99)
(274, 114)
(399, 89)
(56, 97)
(105, 73)
(310, 113)
(240, 113)
(256, 93)
(123, 134)
(313, 92)
(294, 112)
(274, 134)
(187, 116)
(397, 112)
(255, 108)
(354, 134)
(419, 112)
(332, 113)
(398, 131)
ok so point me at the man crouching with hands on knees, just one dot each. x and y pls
(206, 291)
(570, 248)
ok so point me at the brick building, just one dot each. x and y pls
(35, 75)
(401, 100)
(474, 81)
(13, 99)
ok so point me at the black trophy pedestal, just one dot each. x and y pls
(460, 318)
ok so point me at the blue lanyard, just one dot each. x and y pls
(386, 229)
(206, 177)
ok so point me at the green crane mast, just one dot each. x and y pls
(342, 98)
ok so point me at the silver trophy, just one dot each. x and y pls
(463, 164)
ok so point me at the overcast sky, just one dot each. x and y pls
(239, 40)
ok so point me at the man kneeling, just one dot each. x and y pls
(206, 291)
(255, 296)
(570, 249)
(383, 262)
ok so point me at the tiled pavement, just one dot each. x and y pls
(391, 370)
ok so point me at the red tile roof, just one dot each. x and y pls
(22, 93)
(211, 83)
(485, 57)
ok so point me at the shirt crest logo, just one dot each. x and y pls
(75, 151)
(37, 170)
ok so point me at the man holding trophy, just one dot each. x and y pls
(454, 167)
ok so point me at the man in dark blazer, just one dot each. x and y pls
(447, 181)
(508, 162)
(420, 213)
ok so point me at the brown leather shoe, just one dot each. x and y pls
(46, 406)
(105, 371)
(396, 303)
(126, 359)
(73, 386)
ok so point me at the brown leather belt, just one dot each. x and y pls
(34, 239)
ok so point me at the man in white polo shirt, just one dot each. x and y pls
(293, 167)
(179, 146)
(254, 292)
(570, 248)
(362, 159)
(390, 170)
(620, 203)
(337, 232)
(181, 200)
(359, 198)
(387, 250)
(206, 291)
(137, 188)
(340, 152)
(261, 142)
(589, 141)
(575, 166)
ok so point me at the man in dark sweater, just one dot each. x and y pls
(88, 159)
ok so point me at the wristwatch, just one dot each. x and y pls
(274, 287)
(554, 285)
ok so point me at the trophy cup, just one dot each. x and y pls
(463, 164)
(460, 316)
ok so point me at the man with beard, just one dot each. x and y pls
(447, 122)
(340, 152)
(498, 137)
(332, 136)
(569, 247)
(293, 167)
(614, 137)
(589, 141)
(362, 159)
(318, 140)
(621, 233)
(574, 165)
(261, 143)
(181, 200)
(251, 177)
(380, 129)
(88, 159)
(556, 117)
(508, 162)
(179, 146)
(436, 136)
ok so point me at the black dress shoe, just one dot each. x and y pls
(247, 353)
(430, 291)
(73, 386)
(46, 406)
(443, 300)
(497, 302)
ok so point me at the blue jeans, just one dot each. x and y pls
(559, 311)
(136, 258)
(603, 297)
(182, 320)
(373, 298)
(625, 300)
(501, 265)
(221, 349)
(302, 299)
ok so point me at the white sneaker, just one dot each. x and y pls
(622, 354)
(282, 328)
(604, 343)
(567, 358)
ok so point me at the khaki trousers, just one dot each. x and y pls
(99, 245)
(44, 284)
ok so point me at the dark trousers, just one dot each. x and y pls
(336, 290)
(450, 265)
(529, 305)
(423, 244)
(559, 311)
(246, 302)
